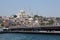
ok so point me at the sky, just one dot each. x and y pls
(39, 7)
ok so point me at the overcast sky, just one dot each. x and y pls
(40, 7)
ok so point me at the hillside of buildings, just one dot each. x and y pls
(23, 19)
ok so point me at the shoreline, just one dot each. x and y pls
(31, 32)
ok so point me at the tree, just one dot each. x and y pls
(42, 24)
(13, 24)
(51, 21)
(58, 18)
(36, 16)
(2, 24)
(15, 16)
(1, 20)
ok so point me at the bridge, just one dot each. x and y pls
(42, 28)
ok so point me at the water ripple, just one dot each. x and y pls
(10, 36)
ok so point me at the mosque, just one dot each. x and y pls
(22, 14)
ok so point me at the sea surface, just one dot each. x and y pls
(19, 36)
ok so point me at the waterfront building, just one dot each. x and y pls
(0, 16)
(30, 19)
(6, 23)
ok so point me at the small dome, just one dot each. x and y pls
(22, 11)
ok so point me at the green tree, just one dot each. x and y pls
(51, 21)
(42, 24)
(36, 16)
(2, 24)
(1, 20)
(15, 16)
(58, 18)
(13, 24)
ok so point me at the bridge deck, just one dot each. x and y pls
(56, 28)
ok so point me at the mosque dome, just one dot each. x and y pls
(22, 11)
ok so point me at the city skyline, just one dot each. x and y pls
(40, 7)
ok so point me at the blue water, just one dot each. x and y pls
(18, 36)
